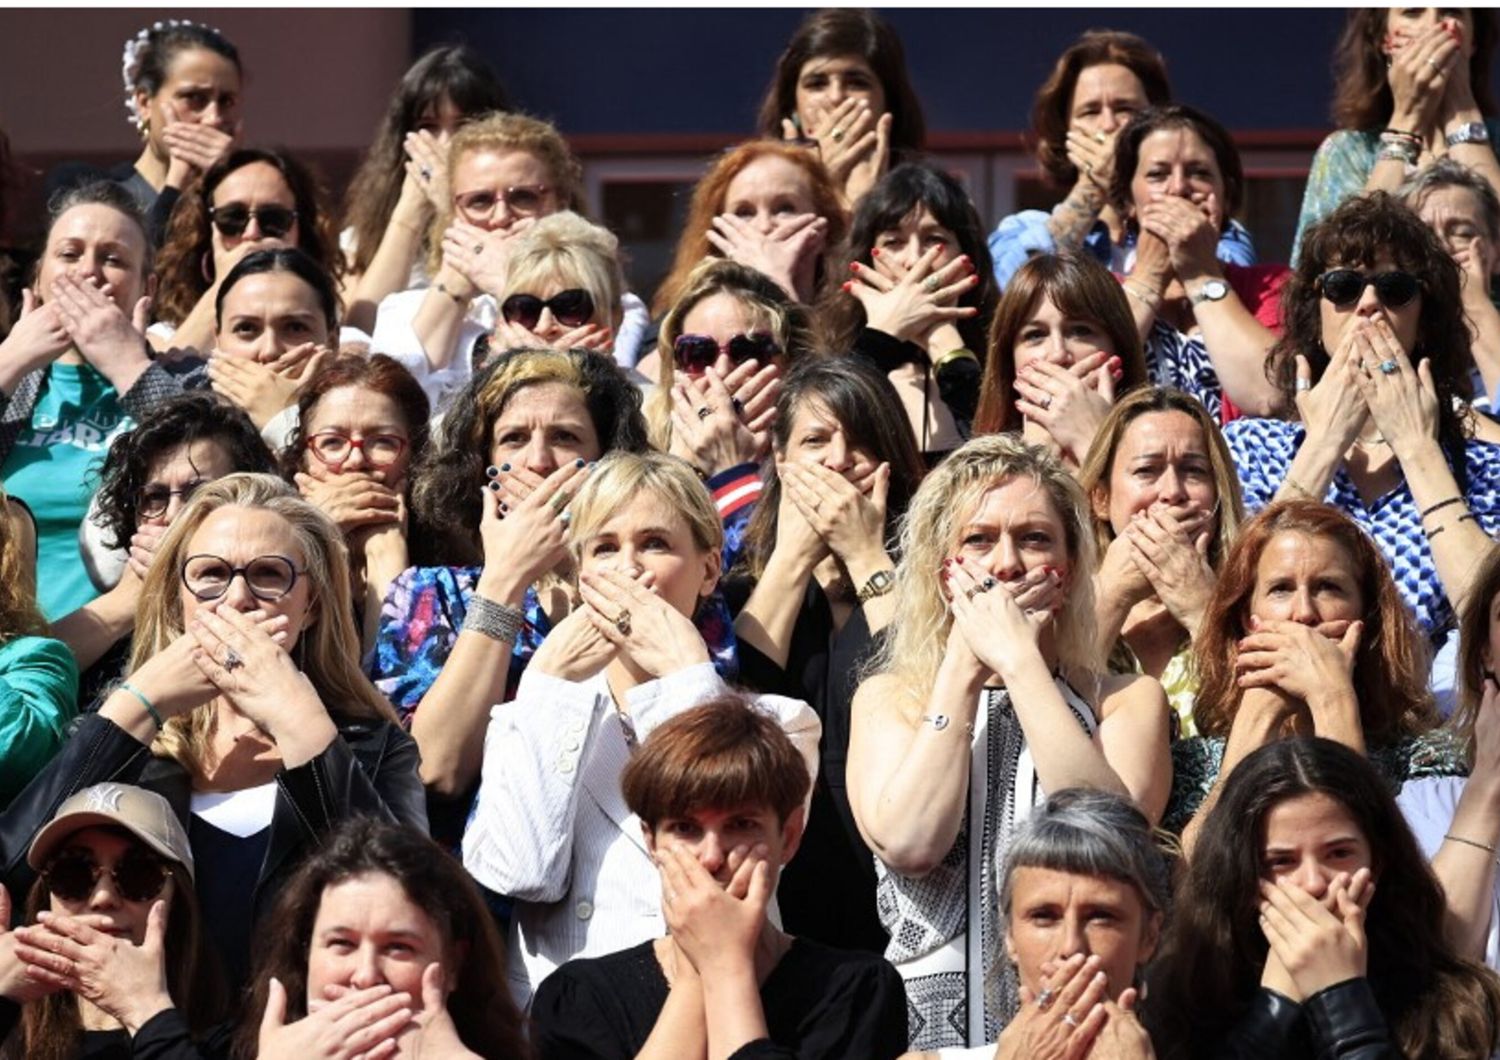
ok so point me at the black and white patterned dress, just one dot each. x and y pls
(946, 937)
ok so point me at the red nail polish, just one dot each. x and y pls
(874, 252)
(1116, 374)
(848, 286)
(960, 561)
(974, 278)
(965, 260)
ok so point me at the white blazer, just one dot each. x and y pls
(551, 828)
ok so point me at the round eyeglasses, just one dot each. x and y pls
(268, 578)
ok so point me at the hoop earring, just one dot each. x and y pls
(206, 266)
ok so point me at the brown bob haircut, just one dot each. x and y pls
(1362, 97)
(1052, 110)
(1391, 663)
(1176, 116)
(722, 754)
(1080, 287)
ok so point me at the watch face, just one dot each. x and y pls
(1213, 290)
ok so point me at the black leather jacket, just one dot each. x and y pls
(370, 768)
(1339, 1023)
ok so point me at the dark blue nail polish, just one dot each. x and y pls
(495, 486)
(579, 463)
(593, 463)
(491, 471)
(504, 467)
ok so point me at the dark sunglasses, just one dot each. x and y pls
(153, 501)
(233, 218)
(1343, 287)
(74, 875)
(572, 308)
(695, 353)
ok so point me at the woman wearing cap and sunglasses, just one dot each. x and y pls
(252, 200)
(115, 961)
(1373, 362)
(244, 706)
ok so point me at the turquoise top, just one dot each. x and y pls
(38, 697)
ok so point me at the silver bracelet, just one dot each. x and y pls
(497, 621)
(942, 721)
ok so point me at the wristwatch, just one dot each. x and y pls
(878, 584)
(1474, 132)
(1211, 291)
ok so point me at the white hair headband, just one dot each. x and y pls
(130, 61)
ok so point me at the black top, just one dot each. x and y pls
(155, 206)
(819, 1003)
(957, 380)
(164, 1036)
(224, 862)
(827, 892)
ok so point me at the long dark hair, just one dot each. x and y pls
(867, 406)
(848, 31)
(479, 1005)
(1436, 1003)
(455, 72)
(902, 190)
(1363, 100)
(185, 274)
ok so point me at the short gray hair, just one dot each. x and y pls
(1091, 833)
(1447, 173)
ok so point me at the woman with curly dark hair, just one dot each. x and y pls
(326, 964)
(255, 199)
(1374, 362)
(403, 180)
(516, 445)
(919, 298)
(149, 474)
(1413, 86)
(1309, 921)
(842, 86)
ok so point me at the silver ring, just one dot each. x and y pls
(988, 584)
(1045, 998)
(1046, 402)
(930, 285)
(426, 173)
(232, 660)
(838, 134)
(1433, 63)
(704, 412)
(1304, 384)
(1067, 1017)
(622, 622)
(1388, 367)
(565, 517)
(478, 248)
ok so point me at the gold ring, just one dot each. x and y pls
(838, 136)
(622, 622)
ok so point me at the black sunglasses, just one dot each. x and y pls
(74, 875)
(572, 308)
(694, 354)
(1343, 287)
(233, 218)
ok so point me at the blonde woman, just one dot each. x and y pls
(243, 706)
(985, 698)
(551, 827)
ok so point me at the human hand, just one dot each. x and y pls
(1121, 578)
(1458, 94)
(427, 166)
(1306, 662)
(1123, 1037)
(431, 1034)
(1001, 628)
(255, 387)
(193, 149)
(255, 673)
(1062, 1022)
(715, 927)
(78, 954)
(482, 256)
(630, 615)
(1402, 402)
(1170, 546)
(848, 516)
(795, 534)
(1189, 229)
(1093, 155)
(1334, 407)
(1152, 267)
(854, 145)
(910, 305)
(97, 327)
(522, 528)
(788, 253)
(300, 363)
(1474, 275)
(38, 338)
(355, 500)
(175, 684)
(1318, 946)
(361, 1025)
(143, 547)
(1069, 402)
(1421, 66)
(575, 650)
(19, 982)
(708, 426)
(514, 336)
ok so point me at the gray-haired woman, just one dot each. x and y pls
(1082, 899)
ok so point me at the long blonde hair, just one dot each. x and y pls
(329, 647)
(949, 495)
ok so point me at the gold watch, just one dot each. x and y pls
(878, 584)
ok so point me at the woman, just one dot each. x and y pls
(1207, 326)
(987, 682)
(842, 86)
(770, 206)
(275, 317)
(38, 677)
(332, 972)
(1413, 87)
(563, 288)
(1310, 925)
(149, 475)
(116, 962)
(260, 754)
(1374, 298)
(453, 639)
(403, 179)
(182, 95)
(719, 793)
(1085, 894)
(254, 199)
(1099, 83)
(506, 172)
(361, 427)
(813, 595)
(1062, 344)
(1305, 633)
(75, 371)
(919, 298)
(1166, 505)
(645, 538)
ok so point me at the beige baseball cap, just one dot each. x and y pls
(144, 814)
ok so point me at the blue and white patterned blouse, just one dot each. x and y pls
(1263, 449)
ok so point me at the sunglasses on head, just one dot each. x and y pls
(572, 308)
(1343, 287)
(74, 875)
(694, 354)
(233, 218)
